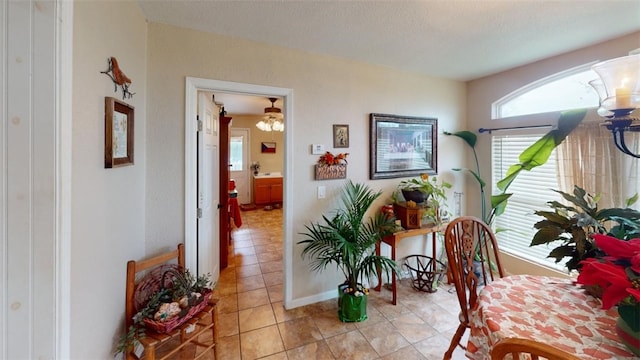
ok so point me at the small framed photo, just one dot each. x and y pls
(341, 136)
(118, 133)
(268, 147)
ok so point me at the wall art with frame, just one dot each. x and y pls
(268, 147)
(118, 133)
(340, 136)
(402, 146)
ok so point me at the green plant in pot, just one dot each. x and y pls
(431, 193)
(347, 240)
(573, 224)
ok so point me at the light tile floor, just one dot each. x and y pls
(255, 325)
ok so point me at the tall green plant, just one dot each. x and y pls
(348, 238)
(535, 155)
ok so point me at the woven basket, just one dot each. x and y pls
(150, 283)
(170, 324)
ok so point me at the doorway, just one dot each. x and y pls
(240, 169)
(193, 85)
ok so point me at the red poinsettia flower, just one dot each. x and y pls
(620, 249)
(611, 277)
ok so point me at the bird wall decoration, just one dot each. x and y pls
(119, 78)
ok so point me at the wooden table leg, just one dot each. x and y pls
(434, 262)
(393, 274)
(379, 286)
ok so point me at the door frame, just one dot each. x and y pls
(192, 86)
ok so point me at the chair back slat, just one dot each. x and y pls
(472, 253)
(473, 261)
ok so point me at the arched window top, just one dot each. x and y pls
(565, 90)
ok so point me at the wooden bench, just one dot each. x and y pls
(185, 334)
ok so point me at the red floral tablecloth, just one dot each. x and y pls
(546, 309)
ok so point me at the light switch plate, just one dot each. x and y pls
(322, 192)
(317, 149)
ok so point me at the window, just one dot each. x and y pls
(518, 220)
(235, 153)
(589, 159)
(567, 90)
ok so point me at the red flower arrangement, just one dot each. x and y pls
(330, 159)
(618, 274)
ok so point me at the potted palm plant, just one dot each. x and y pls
(347, 240)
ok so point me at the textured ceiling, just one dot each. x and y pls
(453, 39)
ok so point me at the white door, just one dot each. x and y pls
(239, 160)
(208, 245)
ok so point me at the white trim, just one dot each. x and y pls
(192, 85)
(4, 266)
(327, 295)
(64, 128)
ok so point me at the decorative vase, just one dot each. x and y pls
(351, 308)
(414, 195)
(628, 327)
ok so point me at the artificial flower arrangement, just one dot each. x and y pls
(168, 297)
(618, 275)
(255, 166)
(330, 159)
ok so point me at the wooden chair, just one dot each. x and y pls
(187, 333)
(468, 239)
(536, 350)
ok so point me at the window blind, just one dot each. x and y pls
(531, 191)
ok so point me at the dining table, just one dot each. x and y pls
(551, 310)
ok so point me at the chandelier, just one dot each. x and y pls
(619, 91)
(273, 119)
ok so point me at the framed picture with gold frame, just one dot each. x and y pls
(118, 133)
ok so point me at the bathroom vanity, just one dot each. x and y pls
(267, 188)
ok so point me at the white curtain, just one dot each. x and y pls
(589, 158)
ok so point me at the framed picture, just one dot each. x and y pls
(340, 136)
(118, 133)
(402, 146)
(268, 147)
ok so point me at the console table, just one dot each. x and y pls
(393, 239)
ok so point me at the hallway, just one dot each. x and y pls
(255, 325)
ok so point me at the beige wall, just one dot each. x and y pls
(108, 205)
(326, 91)
(483, 92)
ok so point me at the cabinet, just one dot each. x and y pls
(267, 190)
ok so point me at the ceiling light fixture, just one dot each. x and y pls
(619, 92)
(273, 119)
